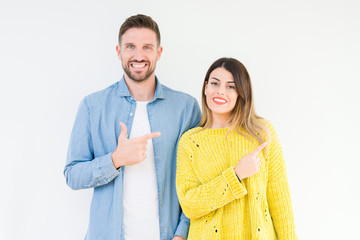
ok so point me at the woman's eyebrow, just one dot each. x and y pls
(219, 80)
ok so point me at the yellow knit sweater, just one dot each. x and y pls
(218, 204)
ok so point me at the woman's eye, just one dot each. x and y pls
(231, 87)
(213, 83)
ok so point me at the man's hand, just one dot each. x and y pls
(178, 238)
(249, 164)
(130, 151)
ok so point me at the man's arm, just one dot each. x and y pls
(194, 120)
(195, 116)
(82, 170)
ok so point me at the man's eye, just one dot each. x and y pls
(147, 48)
(130, 46)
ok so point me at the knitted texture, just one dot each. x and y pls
(218, 204)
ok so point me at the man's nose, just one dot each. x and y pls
(139, 55)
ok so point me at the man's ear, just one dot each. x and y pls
(159, 52)
(118, 51)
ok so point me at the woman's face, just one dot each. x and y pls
(220, 92)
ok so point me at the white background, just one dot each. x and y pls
(303, 57)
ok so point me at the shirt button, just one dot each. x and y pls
(131, 98)
(131, 114)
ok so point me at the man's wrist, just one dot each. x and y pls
(117, 166)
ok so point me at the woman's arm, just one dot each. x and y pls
(278, 193)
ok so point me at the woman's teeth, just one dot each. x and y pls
(219, 100)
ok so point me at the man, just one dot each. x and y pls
(124, 141)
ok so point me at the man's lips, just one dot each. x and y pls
(138, 65)
(219, 101)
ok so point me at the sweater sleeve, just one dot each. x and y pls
(278, 193)
(199, 199)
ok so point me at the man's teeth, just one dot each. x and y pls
(219, 100)
(138, 66)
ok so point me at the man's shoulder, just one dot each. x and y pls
(103, 94)
(177, 95)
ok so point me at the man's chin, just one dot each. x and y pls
(138, 78)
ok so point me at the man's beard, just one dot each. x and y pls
(138, 78)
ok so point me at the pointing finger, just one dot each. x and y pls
(149, 136)
(259, 148)
(123, 132)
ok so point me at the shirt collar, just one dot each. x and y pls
(123, 90)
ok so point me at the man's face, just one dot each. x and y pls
(139, 52)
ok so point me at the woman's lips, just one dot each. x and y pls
(219, 101)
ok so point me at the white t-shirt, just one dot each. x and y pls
(140, 201)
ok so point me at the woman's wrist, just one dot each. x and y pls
(237, 175)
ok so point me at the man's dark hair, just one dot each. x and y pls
(140, 21)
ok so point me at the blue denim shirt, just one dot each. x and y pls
(94, 138)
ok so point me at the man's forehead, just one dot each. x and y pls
(139, 35)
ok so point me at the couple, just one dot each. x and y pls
(230, 173)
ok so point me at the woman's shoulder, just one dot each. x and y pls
(191, 132)
(188, 137)
(267, 124)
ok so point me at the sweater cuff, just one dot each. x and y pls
(237, 188)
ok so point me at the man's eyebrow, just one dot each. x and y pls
(150, 44)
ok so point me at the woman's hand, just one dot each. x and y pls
(249, 164)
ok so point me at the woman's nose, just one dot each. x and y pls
(221, 91)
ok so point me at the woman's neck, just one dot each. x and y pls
(220, 121)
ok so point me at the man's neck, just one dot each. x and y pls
(142, 91)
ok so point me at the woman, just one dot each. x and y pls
(231, 178)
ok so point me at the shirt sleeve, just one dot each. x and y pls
(82, 170)
(199, 199)
(194, 120)
(182, 229)
(278, 193)
(195, 116)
